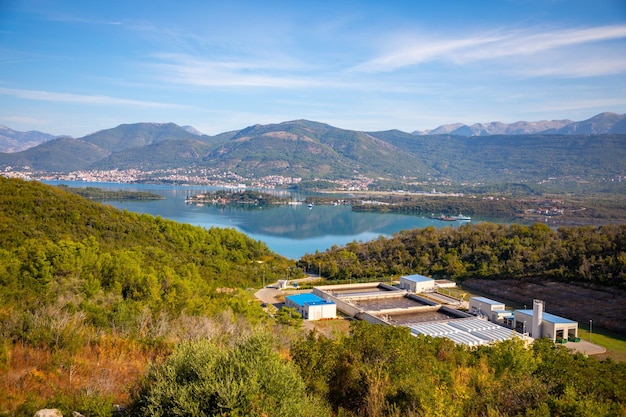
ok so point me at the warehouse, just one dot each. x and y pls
(538, 323)
(312, 307)
(494, 311)
(416, 283)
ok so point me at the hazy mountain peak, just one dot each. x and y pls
(14, 141)
(606, 122)
(192, 130)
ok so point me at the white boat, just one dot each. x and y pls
(463, 218)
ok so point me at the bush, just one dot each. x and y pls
(205, 379)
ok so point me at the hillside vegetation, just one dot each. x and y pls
(77, 276)
(101, 307)
(583, 254)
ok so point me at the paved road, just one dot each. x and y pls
(270, 296)
(585, 347)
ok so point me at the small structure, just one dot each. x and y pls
(416, 283)
(494, 311)
(445, 283)
(541, 324)
(282, 284)
(311, 306)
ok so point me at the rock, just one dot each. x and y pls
(77, 414)
(48, 412)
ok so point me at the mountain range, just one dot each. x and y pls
(588, 150)
(14, 141)
(599, 124)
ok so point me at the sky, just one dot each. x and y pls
(72, 67)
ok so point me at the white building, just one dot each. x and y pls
(311, 306)
(416, 283)
(541, 324)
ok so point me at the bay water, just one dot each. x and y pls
(289, 230)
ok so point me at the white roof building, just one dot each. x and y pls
(416, 283)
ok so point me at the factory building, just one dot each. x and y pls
(416, 283)
(494, 311)
(312, 307)
(538, 323)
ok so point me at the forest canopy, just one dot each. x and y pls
(585, 254)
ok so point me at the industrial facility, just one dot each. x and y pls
(419, 303)
(381, 303)
(535, 323)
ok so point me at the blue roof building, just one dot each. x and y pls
(541, 324)
(312, 307)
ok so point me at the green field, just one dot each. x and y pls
(615, 344)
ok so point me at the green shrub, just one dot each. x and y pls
(206, 379)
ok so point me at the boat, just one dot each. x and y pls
(463, 218)
(443, 218)
(310, 205)
(459, 218)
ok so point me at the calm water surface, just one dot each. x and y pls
(290, 230)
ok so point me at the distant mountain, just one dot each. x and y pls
(129, 136)
(599, 124)
(193, 130)
(310, 150)
(313, 150)
(165, 154)
(14, 141)
(58, 155)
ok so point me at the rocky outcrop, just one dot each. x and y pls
(49, 412)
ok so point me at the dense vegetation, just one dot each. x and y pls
(96, 193)
(243, 198)
(78, 277)
(595, 255)
(378, 371)
(101, 307)
(384, 371)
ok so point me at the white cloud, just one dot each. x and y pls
(191, 70)
(77, 98)
(412, 50)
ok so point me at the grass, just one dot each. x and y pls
(615, 344)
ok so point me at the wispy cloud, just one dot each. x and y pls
(191, 70)
(412, 50)
(81, 99)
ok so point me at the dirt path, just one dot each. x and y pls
(605, 306)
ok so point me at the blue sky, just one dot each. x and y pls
(75, 67)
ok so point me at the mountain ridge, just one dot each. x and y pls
(14, 141)
(313, 150)
(605, 122)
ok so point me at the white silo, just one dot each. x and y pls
(537, 318)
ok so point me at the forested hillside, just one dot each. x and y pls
(77, 276)
(485, 250)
